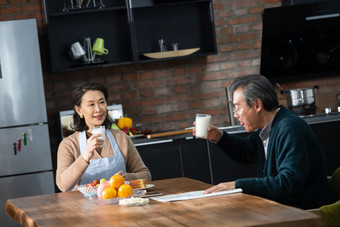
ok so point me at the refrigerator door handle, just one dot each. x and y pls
(0, 70)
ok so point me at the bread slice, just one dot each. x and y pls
(140, 183)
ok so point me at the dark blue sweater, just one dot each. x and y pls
(294, 172)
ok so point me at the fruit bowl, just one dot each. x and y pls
(88, 191)
(136, 193)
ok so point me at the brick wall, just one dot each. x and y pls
(167, 95)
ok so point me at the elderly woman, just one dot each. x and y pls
(83, 157)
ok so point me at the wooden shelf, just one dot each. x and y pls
(171, 54)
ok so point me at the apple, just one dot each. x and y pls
(101, 187)
(115, 126)
(102, 180)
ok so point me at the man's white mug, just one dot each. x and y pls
(100, 130)
(202, 124)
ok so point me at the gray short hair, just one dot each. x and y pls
(257, 87)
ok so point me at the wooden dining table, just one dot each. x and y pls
(238, 209)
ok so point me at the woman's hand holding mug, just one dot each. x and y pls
(92, 144)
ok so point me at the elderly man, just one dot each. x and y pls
(289, 158)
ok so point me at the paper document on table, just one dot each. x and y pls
(193, 195)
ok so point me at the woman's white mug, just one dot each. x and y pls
(100, 130)
(202, 124)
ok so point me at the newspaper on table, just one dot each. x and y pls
(193, 195)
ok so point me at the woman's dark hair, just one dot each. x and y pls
(78, 92)
(257, 87)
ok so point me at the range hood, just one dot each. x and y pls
(301, 41)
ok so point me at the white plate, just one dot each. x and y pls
(146, 186)
(87, 191)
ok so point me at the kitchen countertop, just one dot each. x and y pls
(315, 119)
(310, 119)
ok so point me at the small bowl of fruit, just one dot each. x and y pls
(109, 192)
(89, 190)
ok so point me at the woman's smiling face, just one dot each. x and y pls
(93, 108)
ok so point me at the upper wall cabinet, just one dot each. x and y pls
(97, 33)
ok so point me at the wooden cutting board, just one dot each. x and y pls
(172, 133)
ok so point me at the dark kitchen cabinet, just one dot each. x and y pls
(224, 169)
(195, 159)
(328, 135)
(130, 29)
(163, 159)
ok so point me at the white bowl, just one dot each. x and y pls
(88, 191)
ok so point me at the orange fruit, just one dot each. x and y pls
(124, 190)
(109, 193)
(116, 181)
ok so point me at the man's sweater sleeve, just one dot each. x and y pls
(242, 150)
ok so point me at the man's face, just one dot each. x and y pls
(246, 115)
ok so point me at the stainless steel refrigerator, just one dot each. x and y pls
(25, 153)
